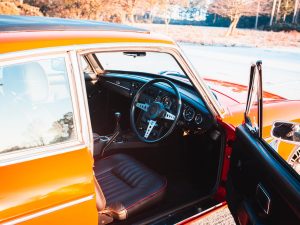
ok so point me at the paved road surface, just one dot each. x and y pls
(281, 68)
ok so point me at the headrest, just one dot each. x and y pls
(26, 81)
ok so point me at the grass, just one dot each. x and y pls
(216, 36)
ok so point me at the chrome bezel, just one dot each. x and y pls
(184, 113)
(198, 115)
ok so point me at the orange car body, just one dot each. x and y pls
(66, 192)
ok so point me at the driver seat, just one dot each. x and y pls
(127, 186)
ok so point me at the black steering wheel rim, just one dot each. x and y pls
(135, 100)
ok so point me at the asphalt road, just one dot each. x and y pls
(281, 67)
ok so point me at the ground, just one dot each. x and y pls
(216, 36)
(281, 67)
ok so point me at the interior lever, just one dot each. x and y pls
(115, 134)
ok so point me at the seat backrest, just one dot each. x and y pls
(100, 198)
(26, 81)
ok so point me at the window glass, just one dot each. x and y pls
(36, 106)
(147, 62)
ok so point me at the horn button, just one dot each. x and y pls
(156, 110)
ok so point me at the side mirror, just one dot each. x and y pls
(286, 131)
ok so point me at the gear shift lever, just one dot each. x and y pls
(117, 117)
(115, 134)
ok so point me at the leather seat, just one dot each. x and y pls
(128, 186)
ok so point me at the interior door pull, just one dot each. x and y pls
(263, 198)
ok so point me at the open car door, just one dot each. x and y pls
(261, 187)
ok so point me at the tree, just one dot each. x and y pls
(14, 7)
(129, 7)
(257, 14)
(287, 8)
(273, 12)
(233, 9)
(278, 11)
(296, 7)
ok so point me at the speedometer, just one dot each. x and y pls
(188, 114)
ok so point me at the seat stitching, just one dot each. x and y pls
(122, 179)
(150, 195)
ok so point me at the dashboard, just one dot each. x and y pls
(194, 117)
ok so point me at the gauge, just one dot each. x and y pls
(188, 113)
(167, 101)
(198, 118)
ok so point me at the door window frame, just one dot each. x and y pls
(23, 155)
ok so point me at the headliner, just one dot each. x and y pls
(35, 23)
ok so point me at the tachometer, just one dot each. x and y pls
(188, 114)
(198, 119)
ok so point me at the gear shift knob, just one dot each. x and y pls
(118, 117)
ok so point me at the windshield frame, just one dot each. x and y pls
(192, 75)
(175, 73)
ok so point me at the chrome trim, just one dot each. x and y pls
(37, 153)
(81, 97)
(194, 217)
(202, 87)
(118, 85)
(49, 150)
(49, 210)
(267, 210)
(296, 151)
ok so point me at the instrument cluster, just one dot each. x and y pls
(191, 115)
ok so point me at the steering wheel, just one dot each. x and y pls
(156, 120)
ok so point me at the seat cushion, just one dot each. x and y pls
(128, 186)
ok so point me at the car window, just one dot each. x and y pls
(36, 106)
(279, 129)
(146, 62)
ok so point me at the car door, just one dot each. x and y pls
(261, 187)
(46, 168)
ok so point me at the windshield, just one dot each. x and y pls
(146, 62)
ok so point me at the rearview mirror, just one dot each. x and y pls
(286, 131)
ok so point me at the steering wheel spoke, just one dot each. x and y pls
(169, 116)
(151, 125)
(142, 106)
(148, 120)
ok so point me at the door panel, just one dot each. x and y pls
(41, 184)
(262, 188)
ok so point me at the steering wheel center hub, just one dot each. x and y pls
(155, 110)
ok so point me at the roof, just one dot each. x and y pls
(36, 23)
(18, 33)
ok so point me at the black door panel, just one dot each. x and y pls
(262, 189)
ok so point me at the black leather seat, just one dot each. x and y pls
(128, 186)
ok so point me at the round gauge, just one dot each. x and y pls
(188, 113)
(198, 118)
(167, 101)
